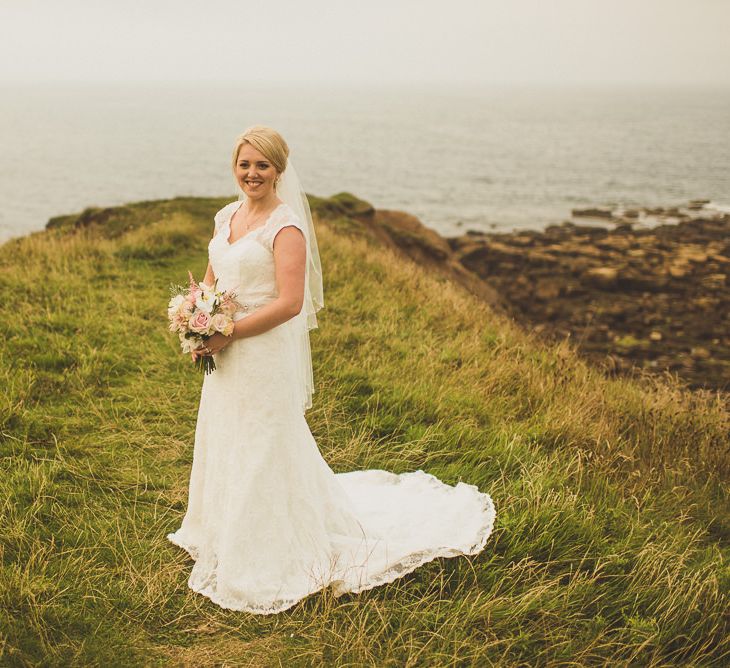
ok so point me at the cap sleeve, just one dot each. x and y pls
(286, 219)
(221, 215)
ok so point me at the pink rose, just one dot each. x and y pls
(200, 322)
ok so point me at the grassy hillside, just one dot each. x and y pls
(611, 540)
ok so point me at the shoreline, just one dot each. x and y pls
(653, 298)
(510, 220)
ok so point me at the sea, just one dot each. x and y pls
(488, 158)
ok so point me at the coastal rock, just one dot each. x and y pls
(524, 239)
(691, 254)
(547, 290)
(615, 243)
(631, 297)
(593, 213)
(602, 277)
(412, 235)
(678, 270)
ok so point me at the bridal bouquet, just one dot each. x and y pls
(196, 313)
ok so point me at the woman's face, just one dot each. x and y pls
(254, 173)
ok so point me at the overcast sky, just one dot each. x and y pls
(482, 41)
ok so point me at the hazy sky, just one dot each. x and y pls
(485, 41)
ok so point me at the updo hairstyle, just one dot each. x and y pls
(266, 140)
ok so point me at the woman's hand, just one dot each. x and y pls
(214, 345)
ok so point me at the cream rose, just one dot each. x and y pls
(222, 323)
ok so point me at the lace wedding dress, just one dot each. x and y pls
(268, 522)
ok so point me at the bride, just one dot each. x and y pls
(268, 522)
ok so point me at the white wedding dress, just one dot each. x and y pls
(268, 522)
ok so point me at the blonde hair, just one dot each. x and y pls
(266, 140)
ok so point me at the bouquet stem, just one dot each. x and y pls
(205, 363)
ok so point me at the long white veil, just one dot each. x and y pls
(290, 191)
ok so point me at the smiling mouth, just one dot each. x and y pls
(254, 184)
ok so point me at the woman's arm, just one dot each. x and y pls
(209, 278)
(290, 254)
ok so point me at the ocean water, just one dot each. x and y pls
(493, 158)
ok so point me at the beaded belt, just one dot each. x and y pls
(249, 306)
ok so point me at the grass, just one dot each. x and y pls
(611, 540)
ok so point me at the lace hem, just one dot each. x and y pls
(276, 606)
(417, 559)
(339, 588)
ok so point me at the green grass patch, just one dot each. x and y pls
(611, 540)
